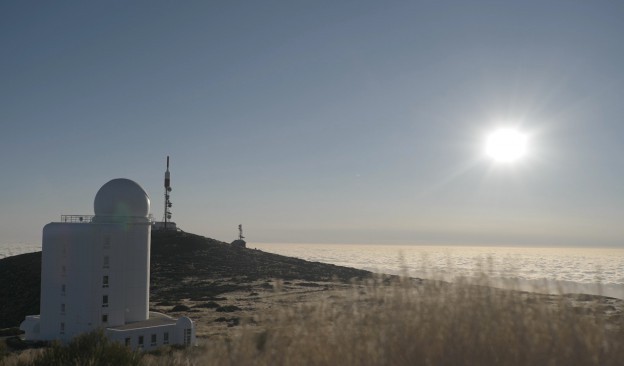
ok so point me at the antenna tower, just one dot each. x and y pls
(240, 232)
(168, 204)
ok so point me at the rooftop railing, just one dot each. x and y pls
(88, 218)
(77, 218)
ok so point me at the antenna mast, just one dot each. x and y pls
(167, 191)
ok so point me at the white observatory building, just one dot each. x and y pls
(95, 273)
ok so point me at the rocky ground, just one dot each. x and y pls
(220, 316)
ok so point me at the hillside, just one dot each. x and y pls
(19, 288)
(183, 266)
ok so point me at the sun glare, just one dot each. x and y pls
(506, 145)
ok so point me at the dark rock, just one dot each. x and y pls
(207, 305)
(233, 322)
(228, 308)
(230, 321)
(180, 308)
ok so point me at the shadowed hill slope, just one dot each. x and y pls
(20, 278)
(183, 265)
(208, 267)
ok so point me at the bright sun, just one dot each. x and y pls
(506, 145)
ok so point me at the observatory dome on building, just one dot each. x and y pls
(95, 274)
(121, 198)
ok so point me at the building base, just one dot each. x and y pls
(159, 330)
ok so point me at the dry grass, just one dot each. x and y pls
(413, 323)
(426, 324)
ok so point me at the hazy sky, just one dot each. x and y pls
(319, 121)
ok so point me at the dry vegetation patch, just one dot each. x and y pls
(412, 322)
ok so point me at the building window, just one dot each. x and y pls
(153, 340)
(166, 338)
(62, 328)
(107, 241)
(105, 301)
(63, 270)
(63, 289)
(140, 341)
(106, 263)
(62, 308)
(105, 281)
(127, 342)
(104, 318)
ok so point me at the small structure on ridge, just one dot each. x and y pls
(240, 243)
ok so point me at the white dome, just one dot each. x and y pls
(121, 198)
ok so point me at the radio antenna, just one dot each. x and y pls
(167, 216)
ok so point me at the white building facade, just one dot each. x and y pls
(95, 273)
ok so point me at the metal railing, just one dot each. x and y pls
(77, 218)
(88, 218)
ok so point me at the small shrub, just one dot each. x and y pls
(231, 322)
(180, 308)
(228, 308)
(16, 343)
(93, 349)
(10, 332)
(207, 305)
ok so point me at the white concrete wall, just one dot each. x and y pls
(136, 271)
(81, 249)
(31, 327)
(185, 332)
(67, 261)
(134, 334)
(175, 333)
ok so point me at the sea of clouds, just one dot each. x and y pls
(597, 271)
(9, 250)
